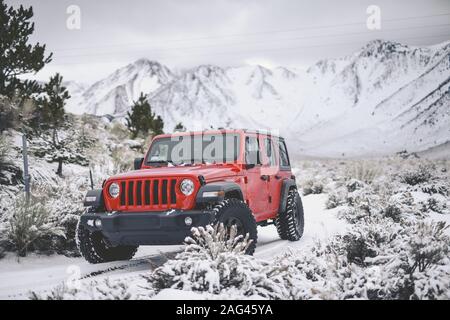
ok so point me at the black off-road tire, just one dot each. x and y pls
(94, 249)
(290, 224)
(235, 211)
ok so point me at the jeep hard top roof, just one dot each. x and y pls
(219, 131)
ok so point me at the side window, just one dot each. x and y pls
(252, 152)
(284, 158)
(270, 153)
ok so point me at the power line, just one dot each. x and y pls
(161, 50)
(274, 49)
(253, 33)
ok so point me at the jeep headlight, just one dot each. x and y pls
(114, 190)
(187, 187)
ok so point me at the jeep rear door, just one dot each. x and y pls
(272, 177)
(256, 190)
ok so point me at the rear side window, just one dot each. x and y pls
(252, 151)
(284, 157)
(270, 152)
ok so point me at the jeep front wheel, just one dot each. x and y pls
(94, 248)
(235, 212)
(290, 223)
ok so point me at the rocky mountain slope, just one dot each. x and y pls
(384, 98)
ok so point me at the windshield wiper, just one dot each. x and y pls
(159, 162)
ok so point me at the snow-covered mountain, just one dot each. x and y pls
(384, 98)
(115, 94)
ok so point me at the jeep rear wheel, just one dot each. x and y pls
(235, 212)
(290, 224)
(94, 248)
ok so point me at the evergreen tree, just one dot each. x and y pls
(51, 104)
(17, 56)
(179, 127)
(158, 125)
(141, 119)
(51, 114)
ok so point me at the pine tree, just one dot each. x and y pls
(158, 125)
(52, 115)
(179, 127)
(141, 119)
(55, 95)
(17, 56)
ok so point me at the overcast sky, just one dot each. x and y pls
(182, 34)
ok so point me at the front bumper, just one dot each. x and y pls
(145, 228)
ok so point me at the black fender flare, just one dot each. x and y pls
(285, 187)
(94, 199)
(222, 188)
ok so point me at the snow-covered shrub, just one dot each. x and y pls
(427, 244)
(312, 186)
(354, 184)
(30, 226)
(391, 260)
(307, 274)
(335, 199)
(388, 281)
(59, 205)
(432, 285)
(65, 207)
(363, 170)
(393, 211)
(435, 187)
(435, 203)
(352, 214)
(215, 263)
(365, 239)
(358, 248)
(365, 201)
(417, 175)
(104, 289)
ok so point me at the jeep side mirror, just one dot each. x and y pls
(138, 163)
(249, 166)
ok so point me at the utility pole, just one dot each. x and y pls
(26, 176)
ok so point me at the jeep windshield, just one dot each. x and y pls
(194, 149)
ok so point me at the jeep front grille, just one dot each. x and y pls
(148, 194)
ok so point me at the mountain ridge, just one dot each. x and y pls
(335, 106)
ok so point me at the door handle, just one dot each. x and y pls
(264, 177)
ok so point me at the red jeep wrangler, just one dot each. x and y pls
(191, 179)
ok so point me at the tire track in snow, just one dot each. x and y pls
(144, 263)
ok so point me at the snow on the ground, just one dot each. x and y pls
(320, 224)
(42, 273)
(175, 294)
